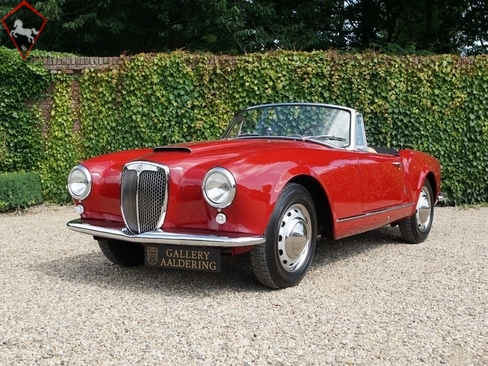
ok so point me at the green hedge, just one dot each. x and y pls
(435, 104)
(19, 190)
(22, 85)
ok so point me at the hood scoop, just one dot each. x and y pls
(172, 149)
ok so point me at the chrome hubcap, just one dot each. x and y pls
(424, 210)
(294, 238)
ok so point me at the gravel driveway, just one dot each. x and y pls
(370, 299)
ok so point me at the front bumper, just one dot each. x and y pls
(107, 230)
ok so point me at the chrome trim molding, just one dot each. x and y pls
(162, 237)
(139, 167)
(442, 198)
(232, 187)
(368, 214)
(88, 176)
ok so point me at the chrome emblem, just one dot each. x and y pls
(140, 168)
(152, 255)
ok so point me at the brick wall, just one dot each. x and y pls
(76, 65)
(73, 66)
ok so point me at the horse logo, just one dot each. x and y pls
(19, 29)
(32, 20)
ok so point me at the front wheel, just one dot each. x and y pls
(284, 259)
(122, 253)
(417, 227)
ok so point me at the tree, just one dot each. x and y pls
(108, 27)
(473, 36)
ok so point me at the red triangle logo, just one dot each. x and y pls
(24, 25)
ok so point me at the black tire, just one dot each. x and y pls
(122, 253)
(417, 227)
(284, 259)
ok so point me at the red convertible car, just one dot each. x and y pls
(281, 175)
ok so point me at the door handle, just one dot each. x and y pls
(397, 164)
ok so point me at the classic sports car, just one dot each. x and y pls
(281, 175)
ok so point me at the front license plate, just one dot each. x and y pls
(177, 257)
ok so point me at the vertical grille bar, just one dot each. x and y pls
(144, 196)
(129, 184)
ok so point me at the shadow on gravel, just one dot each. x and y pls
(236, 273)
(330, 251)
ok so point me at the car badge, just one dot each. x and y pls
(140, 168)
(152, 255)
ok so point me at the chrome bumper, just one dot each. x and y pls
(110, 231)
(442, 198)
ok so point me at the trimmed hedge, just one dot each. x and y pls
(22, 85)
(19, 190)
(435, 104)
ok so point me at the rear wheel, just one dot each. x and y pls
(284, 259)
(122, 253)
(417, 227)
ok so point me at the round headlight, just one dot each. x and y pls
(79, 182)
(219, 187)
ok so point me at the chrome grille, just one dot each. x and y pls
(144, 192)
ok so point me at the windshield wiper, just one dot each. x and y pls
(325, 137)
(248, 134)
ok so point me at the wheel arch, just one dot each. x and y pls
(431, 177)
(320, 200)
(433, 183)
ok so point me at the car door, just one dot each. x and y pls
(382, 179)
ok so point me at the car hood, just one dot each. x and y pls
(217, 151)
(225, 144)
(195, 153)
(188, 163)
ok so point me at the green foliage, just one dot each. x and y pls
(19, 190)
(150, 104)
(105, 28)
(61, 143)
(435, 104)
(21, 84)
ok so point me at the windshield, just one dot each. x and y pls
(327, 124)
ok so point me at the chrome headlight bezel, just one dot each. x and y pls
(219, 187)
(79, 182)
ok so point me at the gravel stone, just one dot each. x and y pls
(367, 300)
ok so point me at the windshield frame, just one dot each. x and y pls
(327, 142)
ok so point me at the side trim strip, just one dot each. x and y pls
(370, 214)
